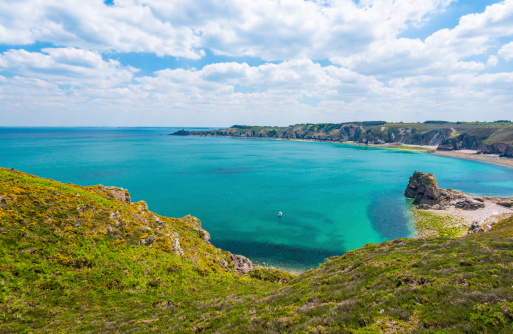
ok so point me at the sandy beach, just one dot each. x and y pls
(472, 155)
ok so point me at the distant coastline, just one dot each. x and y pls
(479, 141)
(462, 154)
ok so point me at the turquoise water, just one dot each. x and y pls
(331, 203)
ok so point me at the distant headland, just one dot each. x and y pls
(485, 141)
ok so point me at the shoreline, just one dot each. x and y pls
(461, 154)
(464, 154)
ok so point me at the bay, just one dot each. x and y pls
(333, 197)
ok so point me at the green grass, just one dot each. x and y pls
(411, 148)
(429, 223)
(61, 272)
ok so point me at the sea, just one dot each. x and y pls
(333, 197)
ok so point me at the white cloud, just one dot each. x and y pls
(272, 30)
(444, 52)
(376, 74)
(506, 51)
(67, 66)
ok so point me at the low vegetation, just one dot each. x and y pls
(81, 259)
(431, 223)
(411, 148)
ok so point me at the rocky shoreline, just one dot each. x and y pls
(449, 212)
(495, 138)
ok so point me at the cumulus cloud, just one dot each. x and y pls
(68, 66)
(271, 30)
(444, 52)
(506, 51)
(374, 73)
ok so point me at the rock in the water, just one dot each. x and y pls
(469, 204)
(423, 188)
(242, 264)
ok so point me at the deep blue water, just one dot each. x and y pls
(330, 202)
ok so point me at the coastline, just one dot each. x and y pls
(472, 155)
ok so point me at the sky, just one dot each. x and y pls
(216, 63)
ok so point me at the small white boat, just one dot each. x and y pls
(349, 156)
(280, 214)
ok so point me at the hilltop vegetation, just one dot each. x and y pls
(487, 137)
(85, 259)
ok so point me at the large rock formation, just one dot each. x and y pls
(497, 148)
(242, 264)
(423, 188)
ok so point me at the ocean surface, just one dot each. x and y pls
(333, 197)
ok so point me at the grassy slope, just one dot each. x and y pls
(57, 276)
(62, 270)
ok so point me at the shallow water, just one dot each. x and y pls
(331, 203)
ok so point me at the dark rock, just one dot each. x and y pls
(496, 148)
(242, 264)
(475, 228)
(507, 204)
(463, 141)
(469, 204)
(423, 188)
(182, 132)
(438, 207)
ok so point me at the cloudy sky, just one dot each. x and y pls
(268, 62)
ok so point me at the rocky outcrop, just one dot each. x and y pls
(497, 148)
(119, 194)
(242, 264)
(182, 132)
(460, 142)
(423, 188)
(470, 204)
(459, 210)
(196, 224)
(467, 142)
(475, 228)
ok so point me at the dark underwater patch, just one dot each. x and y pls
(388, 216)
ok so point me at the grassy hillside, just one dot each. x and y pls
(76, 259)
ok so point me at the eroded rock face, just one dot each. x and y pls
(423, 188)
(242, 264)
(119, 194)
(497, 148)
(196, 224)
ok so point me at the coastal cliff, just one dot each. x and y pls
(86, 259)
(489, 138)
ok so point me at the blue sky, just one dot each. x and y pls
(212, 63)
